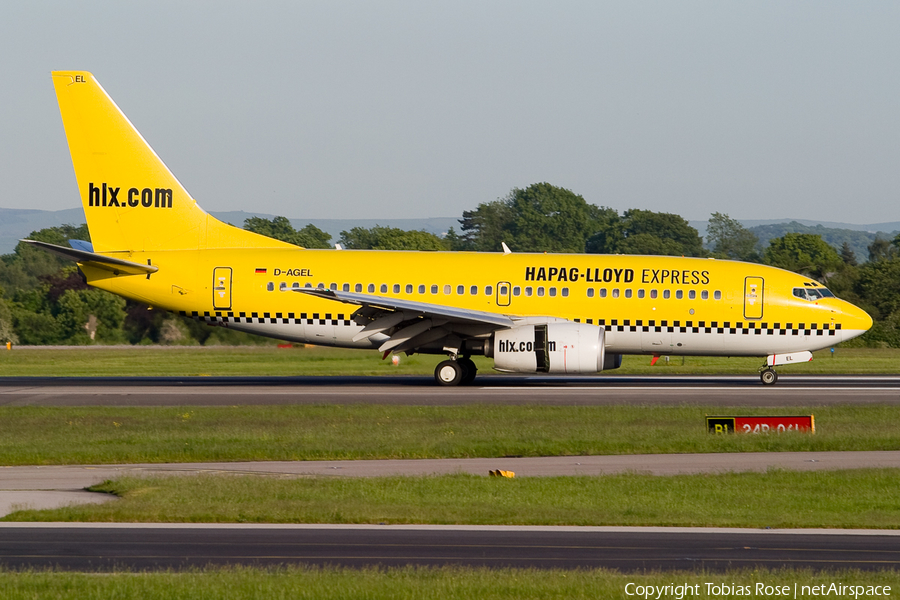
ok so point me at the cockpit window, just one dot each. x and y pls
(813, 294)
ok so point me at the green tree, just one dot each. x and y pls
(280, 228)
(7, 333)
(658, 233)
(882, 249)
(848, 255)
(877, 287)
(804, 253)
(23, 269)
(390, 238)
(729, 239)
(539, 218)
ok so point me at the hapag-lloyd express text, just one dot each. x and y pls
(613, 275)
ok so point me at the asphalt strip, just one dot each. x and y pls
(44, 487)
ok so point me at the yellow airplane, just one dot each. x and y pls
(532, 313)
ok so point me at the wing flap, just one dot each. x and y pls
(449, 314)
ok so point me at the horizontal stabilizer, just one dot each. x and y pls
(115, 265)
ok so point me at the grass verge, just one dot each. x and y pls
(273, 361)
(95, 435)
(448, 583)
(864, 498)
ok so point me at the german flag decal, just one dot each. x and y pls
(260, 271)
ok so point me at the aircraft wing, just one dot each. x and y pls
(115, 265)
(412, 324)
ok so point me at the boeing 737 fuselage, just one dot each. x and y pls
(532, 313)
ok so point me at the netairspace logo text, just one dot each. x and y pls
(759, 590)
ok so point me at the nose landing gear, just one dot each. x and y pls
(768, 376)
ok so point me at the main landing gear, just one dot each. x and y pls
(461, 371)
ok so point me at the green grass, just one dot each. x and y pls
(270, 360)
(447, 583)
(93, 435)
(863, 498)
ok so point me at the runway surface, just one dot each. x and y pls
(594, 390)
(103, 546)
(151, 547)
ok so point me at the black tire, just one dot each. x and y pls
(448, 372)
(469, 369)
(768, 377)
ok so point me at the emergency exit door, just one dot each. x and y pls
(503, 293)
(753, 297)
(222, 288)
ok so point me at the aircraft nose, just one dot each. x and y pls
(855, 319)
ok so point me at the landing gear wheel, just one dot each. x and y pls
(469, 369)
(768, 376)
(448, 372)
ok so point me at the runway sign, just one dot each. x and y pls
(754, 424)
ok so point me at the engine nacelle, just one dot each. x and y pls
(552, 348)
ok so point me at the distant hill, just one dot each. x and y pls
(18, 223)
(858, 240)
(858, 236)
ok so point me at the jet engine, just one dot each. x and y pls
(551, 348)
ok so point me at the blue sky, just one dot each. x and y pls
(408, 109)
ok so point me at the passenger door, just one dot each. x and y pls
(222, 288)
(753, 297)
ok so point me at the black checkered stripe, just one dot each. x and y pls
(286, 319)
(739, 328)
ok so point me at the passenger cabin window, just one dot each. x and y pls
(461, 290)
(409, 288)
(473, 290)
(528, 290)
(603, 292)
(434, 289)
(283, 286)
(371, 288)
(270, 286)
(540, 291)
(666, 294)
(384, 288)
(333, 286)
(296, 286)
(396, 288)
(640, 293)
(447, 289)
(615, 293)
(628, 293)
(358, 287)
(346, 287)
(717, 295)
(421, 289)
(692, 294)
(679, 294)
(517, 291)
(704, 295)
(653, 293)
(488, 290)
(565, 292)
(590, 292)
(553, 292)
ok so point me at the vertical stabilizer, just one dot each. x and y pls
(131, 200)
